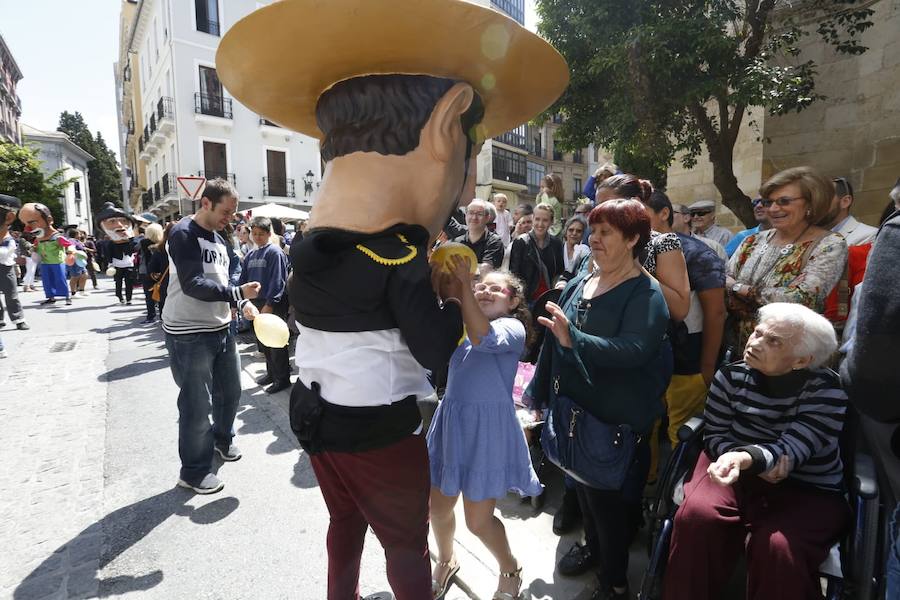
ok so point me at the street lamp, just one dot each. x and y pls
(308, 183)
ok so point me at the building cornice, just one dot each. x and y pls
(17, 75)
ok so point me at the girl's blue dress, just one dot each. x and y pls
(475, 444)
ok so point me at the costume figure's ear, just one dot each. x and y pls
(443, 130)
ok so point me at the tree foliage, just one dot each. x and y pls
(655, 78)
(21, 176)
(104, 176)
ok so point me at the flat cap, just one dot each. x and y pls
(703, 205)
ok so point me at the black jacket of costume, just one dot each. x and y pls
(345, 281)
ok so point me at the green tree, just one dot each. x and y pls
(21, 176)
(104, 176)
(655, 78)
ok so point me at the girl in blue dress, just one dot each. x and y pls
(476, 445)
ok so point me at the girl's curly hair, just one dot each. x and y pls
(521, 311)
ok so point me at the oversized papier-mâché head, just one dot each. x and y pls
(115, 223)
(401, 95)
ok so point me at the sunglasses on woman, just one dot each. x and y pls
(783, 201)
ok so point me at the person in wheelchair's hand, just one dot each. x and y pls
(770, 481)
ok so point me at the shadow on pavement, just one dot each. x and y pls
(135, 369)
(115, 533)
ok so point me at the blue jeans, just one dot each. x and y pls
(206, 368)
(892, 570)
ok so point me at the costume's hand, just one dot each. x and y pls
(779, 472)
(250, 311)
(558, 323)
(250, 290)
(727, 469)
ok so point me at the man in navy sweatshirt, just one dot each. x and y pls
(268, 265)
(202, 352)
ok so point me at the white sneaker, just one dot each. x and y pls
(210, 485)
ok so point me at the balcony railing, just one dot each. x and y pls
(152, 123)
(156, 192)
(513, 138)
(169, 184)
(283, 188)
(210, 27)
(165, 108)
(218, 175)
(146, 137)
(147, 200)
(213, 105)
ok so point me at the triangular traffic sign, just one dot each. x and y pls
(192, 185)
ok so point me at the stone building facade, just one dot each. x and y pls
(854, 133)
(10, 104)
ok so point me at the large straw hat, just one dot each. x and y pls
(278, 60)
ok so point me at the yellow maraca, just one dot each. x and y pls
(441, 256)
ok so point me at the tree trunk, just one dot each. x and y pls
(725, 181)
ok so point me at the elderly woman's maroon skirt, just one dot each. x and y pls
(787, 530)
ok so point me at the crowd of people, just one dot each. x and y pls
(667, 321)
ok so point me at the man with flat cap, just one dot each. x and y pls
(405, 103)
(9, 206)
(703, 222)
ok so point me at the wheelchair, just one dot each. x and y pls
(851, 569)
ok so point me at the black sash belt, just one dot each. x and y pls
(324, 427)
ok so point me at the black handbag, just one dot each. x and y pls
(592, 452)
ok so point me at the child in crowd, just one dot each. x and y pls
(268, 265)
(475, 443)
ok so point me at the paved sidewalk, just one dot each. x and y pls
(88, 505)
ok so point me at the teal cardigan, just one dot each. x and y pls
(620, 361)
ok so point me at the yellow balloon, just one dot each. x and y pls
(271, 330)
(111, 271)
(441, 256)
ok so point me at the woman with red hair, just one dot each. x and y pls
(606, 356)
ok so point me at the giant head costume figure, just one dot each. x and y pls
(401, 95)
(115, 223)
(38, 221)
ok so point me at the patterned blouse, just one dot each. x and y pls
(659, 243)
(801, 273)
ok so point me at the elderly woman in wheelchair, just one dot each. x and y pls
(770, 481)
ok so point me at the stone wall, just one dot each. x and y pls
(854, 133)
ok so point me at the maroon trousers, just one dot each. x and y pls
(786, 530)
(386, 489)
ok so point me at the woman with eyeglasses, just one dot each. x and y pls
(606, 355)
(794, 261)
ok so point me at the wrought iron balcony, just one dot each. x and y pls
(514, 138)
(218, 175)
(165, 109)
(282, 188)
(213, 105)
(147, 200)
(169, 184)
(156, 192)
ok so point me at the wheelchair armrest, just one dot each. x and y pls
(690, 429)
(865, 483)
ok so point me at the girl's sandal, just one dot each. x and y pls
(517, 575)
(439, 588)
